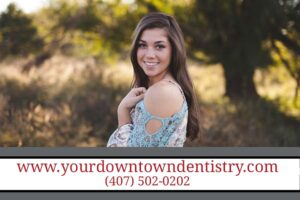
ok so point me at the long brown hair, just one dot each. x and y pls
(177, 67)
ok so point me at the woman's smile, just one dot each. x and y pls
(151, 65)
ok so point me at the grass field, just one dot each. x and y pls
(73, 102)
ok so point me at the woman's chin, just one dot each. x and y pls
(150, 74)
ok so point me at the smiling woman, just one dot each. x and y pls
(161, 108)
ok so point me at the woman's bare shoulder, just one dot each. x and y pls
(163, 99)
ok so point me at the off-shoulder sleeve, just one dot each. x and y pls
(120, 136)
(178, 138)
(171, 133)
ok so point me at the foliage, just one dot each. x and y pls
(79, 112)
(97, 28)
(73, 102)
(227, 32)
(17, 34)
(247, 123)
(234, 33)
(289, 59)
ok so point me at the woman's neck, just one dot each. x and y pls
(157, 79)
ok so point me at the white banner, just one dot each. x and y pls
(149, 174)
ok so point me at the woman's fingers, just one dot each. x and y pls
(140, 90)
(139, 97)
(134, 96)
(139, 94)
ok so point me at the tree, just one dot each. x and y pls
(18, 35)
(235, 33)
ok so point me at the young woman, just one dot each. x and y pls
(161, 108)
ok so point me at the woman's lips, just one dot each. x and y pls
(151, 64)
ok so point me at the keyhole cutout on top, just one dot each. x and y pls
(153, 126)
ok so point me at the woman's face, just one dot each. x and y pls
(154, 53)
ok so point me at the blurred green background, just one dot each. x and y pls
(65, 67)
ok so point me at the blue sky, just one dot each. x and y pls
(26, 5)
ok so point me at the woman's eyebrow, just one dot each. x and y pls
(156, 42)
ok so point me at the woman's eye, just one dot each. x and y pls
(160, 46)
(141, 46)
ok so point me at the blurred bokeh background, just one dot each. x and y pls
(64, 67)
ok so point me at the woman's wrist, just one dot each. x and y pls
(123, 116)
(123, 108)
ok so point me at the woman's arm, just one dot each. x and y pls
(162, 100)
(125, 126)
(128, 102)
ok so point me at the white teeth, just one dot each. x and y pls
(151, 63)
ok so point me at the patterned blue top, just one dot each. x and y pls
(172, 132)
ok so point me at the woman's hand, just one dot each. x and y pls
(132, 98)
(128, 102)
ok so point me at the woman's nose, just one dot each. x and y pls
(150, 53)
